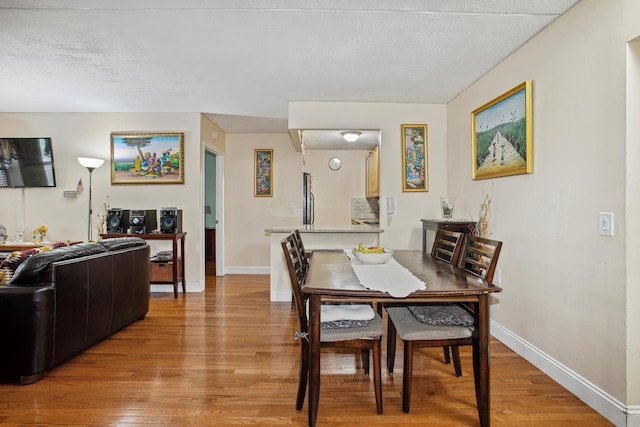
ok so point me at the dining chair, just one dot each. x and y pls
(304, 257)
(446, 248)
(358, 334)
(439, 325)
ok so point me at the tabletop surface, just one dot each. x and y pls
(330, 273)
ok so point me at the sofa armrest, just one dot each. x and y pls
(26, 335)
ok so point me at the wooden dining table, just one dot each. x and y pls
(332, 279)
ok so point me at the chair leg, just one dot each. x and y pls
(445, 350)
(456, 360)
(377, 380)
(304, 374)
(365, 360)
(407, 376)
(391, 346)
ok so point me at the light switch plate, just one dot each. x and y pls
(606, 224)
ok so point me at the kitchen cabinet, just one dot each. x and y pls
(372, 173)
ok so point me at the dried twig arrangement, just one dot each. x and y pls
(102, 217)
(485, 215)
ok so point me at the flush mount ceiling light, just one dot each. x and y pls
(350, 135)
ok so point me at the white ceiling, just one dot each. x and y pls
(242, 61)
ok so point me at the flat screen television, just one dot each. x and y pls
(26, 162)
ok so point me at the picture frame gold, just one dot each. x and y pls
(414, 158)
(263, 173)
(502, 135)
(147, 158)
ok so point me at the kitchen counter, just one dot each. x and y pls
(356, 228)
(313, 237)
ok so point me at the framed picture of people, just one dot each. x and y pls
(147, 158)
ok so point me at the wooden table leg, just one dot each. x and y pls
(182, 261)
(314, 358)
(174, 270)
(481, 360)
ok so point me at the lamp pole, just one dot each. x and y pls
(91, 164)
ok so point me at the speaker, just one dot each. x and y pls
(170, 220)
(117, 220)
(143, 221)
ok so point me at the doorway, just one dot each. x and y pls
(213, 209)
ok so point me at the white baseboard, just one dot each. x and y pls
(600, 401)
(247, 270)
(278, 296)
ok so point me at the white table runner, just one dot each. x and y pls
(390, 277)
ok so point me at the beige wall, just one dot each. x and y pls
(564, 284)
(246, 216)
(333, 190)
(88, 135)
(404, 232)
(633, 225)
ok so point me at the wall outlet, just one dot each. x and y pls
(497, 276)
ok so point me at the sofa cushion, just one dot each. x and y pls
(119, 243)
(33, 270)
(13, 260)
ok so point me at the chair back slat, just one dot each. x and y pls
(479, 256)
(297, 275)
(446, 246)
(304, 258)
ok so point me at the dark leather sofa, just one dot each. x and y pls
(61, 302)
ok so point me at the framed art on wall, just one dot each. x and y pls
(263, 181)
(414, 158)
(147, 158)
(502, 141)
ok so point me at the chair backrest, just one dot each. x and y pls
(479, 256)
(298, 275)
(303, 254)
(446, 246)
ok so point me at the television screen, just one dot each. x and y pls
(26, 162)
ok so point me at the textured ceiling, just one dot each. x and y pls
(241, 61)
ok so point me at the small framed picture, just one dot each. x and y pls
(147, 158)
(414, 158)
(263, 173)
(502, 141)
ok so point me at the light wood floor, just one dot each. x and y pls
(227, 357)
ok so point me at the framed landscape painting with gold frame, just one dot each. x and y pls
(147, 158)
(414, 158)
(502, 141)
(263, 181)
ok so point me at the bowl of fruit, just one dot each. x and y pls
(373, 254)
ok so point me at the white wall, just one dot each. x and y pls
(564, 284)
(405, 229)
(88, 135)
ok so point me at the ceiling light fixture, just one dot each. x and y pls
(350, 135)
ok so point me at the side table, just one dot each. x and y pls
(177, 260)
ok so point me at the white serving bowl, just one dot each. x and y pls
(373, 258)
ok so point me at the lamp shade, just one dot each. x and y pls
(90, 163)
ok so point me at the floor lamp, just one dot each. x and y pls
(90, 164)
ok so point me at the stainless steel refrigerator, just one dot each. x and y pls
(307, 200)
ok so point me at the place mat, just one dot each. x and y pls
(390, 277)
